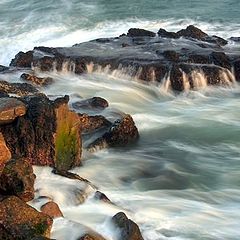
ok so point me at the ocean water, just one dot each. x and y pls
(181, 181)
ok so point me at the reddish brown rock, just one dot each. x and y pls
(37, 80)
(17, 179)
(138, 32)
(11, 108)
(5, 154)
(19, 221)
(52, 210)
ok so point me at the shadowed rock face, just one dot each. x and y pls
(140, 53)
(19, 221)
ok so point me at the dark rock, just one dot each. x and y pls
(90, 124)
(200, 59)
(192, 32)
(91, 236)
(3, 68)
(121, 133)
(10, 109)
(236, 65)
(216, 40)
(5, 154)
(102, 197)
(129, 230)
(95, 103)
(235, 39)
(165, 34)
(23, 60)
(138, 32)
(221, 59)
(37, 80)
(19, 221)
(171, 55)
(52, 210)
(20, 89)
(41, 238)
(48, 135)
(17, 179)
(176, 78)
(3, 94)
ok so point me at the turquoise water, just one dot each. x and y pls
(182, 179)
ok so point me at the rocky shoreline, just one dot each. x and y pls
(38, 130)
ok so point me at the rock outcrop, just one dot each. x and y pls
(190, 52)
(19, 221)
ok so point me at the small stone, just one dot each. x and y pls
(52, 210)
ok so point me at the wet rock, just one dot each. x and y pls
(5, 154)
(121, 133)
(237, 69)
(41, 238)
(91, 236)
(176, 77)
(171, 55)
(216, 40)
(37, 80)
(101, 197)
(165, 34)
(192, 32)
(90, 124)
(19, 221)
(10, 109)
(20, 89)
(138, 32)
(129, 230)
(23, 60)
(95, 103)
(48, 134)
(3, 68)
(235, 39)
(200, 59)
(3, 94)
(17, 179)
(220, 59)
(52, 210)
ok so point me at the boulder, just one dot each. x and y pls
(37, 80)
(19, 221)
(138, 32)
(121, 133)
(192, 32)
(5, 154)
(17, 179)
(10, 109)
(51, 209)
(95, 103)
(165, 34)
(20, 89)
(128, 229)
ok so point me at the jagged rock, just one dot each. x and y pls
(138, 32)
(19, 221)
(165, 34)
(17, 179)
(121, 133)
(141, 56)
(51, 209)
(37, 80)
(48, 135)
(129, 230)
(20, 89)
(91, 123)
(95, 103)
(192, 32)
(23, 59)
(5, 154)
(10, 109)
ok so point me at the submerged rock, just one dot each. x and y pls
(10, 109)
(128, 229)
(95, 103)
(17, 179)
(37, 80)
(19, 221)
